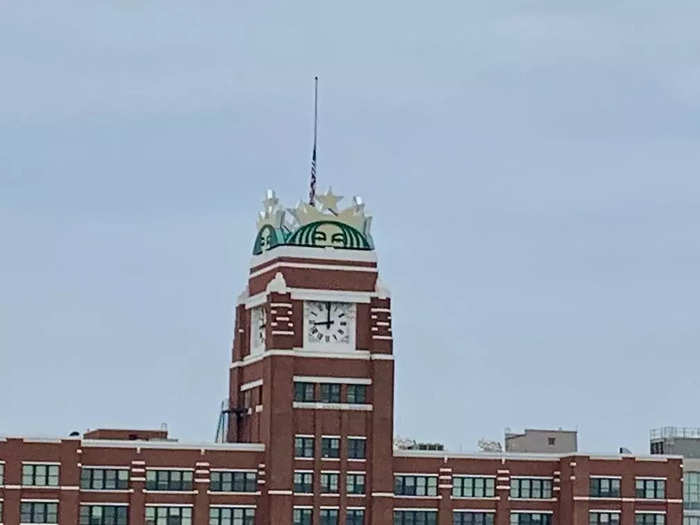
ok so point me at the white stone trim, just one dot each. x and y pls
(332, 406)
(312, 266)
(335, 380)
(251, 384)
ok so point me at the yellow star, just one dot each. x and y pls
(329, 201)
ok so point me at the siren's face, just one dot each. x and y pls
(330, 234)
(265, 240)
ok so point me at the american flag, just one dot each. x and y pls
(312, 192)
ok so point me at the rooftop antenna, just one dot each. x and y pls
(312, 191)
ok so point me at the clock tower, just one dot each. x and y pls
(312, 371)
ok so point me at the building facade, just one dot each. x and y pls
(685, 442)
(309, 438)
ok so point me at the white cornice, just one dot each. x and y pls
(306, 252)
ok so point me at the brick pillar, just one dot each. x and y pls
(445, 492)
(579, 479)
(202, 477)
(381, 453)
(262, 512)
(69, 506)
(10, 504)
(503, 493)
(137, 500)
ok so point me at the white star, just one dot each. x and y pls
(329, 201)
(271, 200)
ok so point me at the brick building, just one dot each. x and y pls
(310, 426)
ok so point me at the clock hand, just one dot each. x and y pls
(328, 309)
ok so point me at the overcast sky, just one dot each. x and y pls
(532, 167)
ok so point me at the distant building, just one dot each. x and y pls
(685, 442)
(535, 441)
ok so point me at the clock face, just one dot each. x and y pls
(330, 323)
(258, 323)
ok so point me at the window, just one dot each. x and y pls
(691, 491)
(104, 514)
(0, 511)
(233, 481)
(330, 393)
(415, 485)
(169, 480)
(329, 483)
(605, 487)
(473, 487)
(691, 520)
(330, 447)
(473, 518)
(164, 515)
(231, 516)
(530, 488)
(329, 516)
(104, 478)
(301, 517)
(2, 478)
(356, 448)
(604, 518)
(411, 517)
(303, 447)
(650, 488)
(40, 475)
(355, 483)
(303, 482)
(304, 392)
(523, 518)
(551, 441)
(650, 519)
(355, 517)
(38, 512)
(357, 394)
(657, 447)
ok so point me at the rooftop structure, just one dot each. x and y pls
(542, 441)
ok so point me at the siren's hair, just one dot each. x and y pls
(304, 236)
(275, 239)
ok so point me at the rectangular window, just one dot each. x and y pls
(415, 517)
(164, 515)
(233, 481)
(604, 518)
(231, 516)
(605, 488)
(473, 487)
(303, 482)
(38, 512)
(355, 483)
(104, 514)
(691, 491)
(330, 393)
(530, 518)
(40, 475)
(329, 516)
(303, 447)
(304, 392)
(355, 517)
(357, 394)
(650, 488)
(473, 518)
(301, 516)
(356, 448)
(104, 478)
(650, 519)
(329, 483)
(415, 485)
(175, 480)
(2, 477)
(525, 488)
(330, 447)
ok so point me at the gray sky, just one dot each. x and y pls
(532, 167)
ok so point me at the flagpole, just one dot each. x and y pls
(312, 191)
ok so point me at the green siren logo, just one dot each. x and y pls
(318, 225)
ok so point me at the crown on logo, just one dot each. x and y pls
(272, 213)
(326, 209)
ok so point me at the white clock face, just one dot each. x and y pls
(258, 323)
(330, 323)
